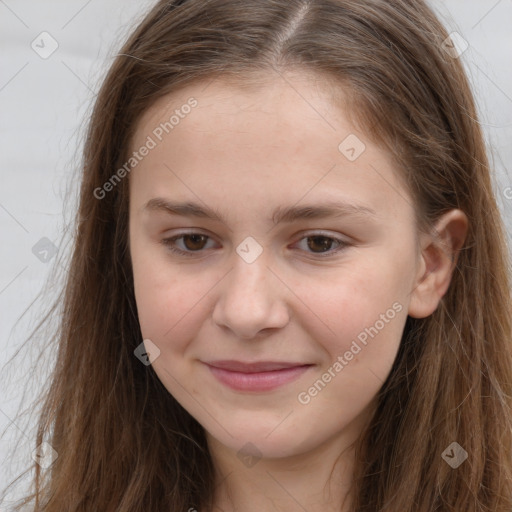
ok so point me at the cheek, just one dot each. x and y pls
(162, 303)
(366, 316)
(359, 320)
(170, 301)
(170, 315)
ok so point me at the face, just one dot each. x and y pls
(274, 253)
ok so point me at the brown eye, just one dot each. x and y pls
(319, 243)
(322, 245)
(194, 242)
(187, 244)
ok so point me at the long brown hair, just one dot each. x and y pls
(124, 443)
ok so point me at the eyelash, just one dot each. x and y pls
(169, 244)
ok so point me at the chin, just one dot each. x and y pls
(260, 441)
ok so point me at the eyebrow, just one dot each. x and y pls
(333, 209)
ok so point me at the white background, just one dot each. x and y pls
(43, 109)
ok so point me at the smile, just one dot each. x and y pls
(256, 377)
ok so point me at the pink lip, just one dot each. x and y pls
(261, 376)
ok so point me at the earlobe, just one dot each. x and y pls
(438, 258)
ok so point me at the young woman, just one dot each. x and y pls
(290, 284)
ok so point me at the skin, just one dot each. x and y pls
(245, 152)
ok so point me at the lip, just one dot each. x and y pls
(259, 376)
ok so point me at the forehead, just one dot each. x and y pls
(280, 138)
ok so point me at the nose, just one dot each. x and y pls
(251, 299)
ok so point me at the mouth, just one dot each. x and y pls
(258, 376)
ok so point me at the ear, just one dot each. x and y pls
(438, 258)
